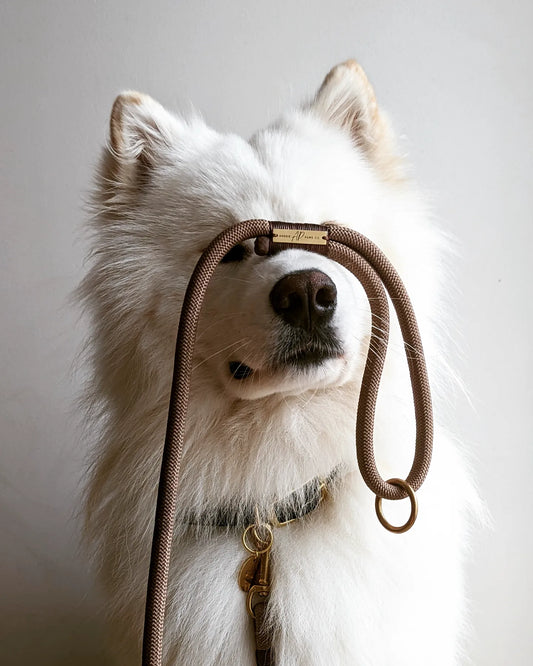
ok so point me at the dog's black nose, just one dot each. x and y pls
(304, 298)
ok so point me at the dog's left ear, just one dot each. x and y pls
(347, 100)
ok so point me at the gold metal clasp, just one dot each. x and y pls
(256, 594)
(254, 575)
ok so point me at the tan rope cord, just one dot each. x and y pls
(379, 271)
(375, 272)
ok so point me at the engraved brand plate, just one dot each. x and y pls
(300, 236)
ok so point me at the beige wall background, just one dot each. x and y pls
(456, 78)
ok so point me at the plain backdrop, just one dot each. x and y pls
(455, 77)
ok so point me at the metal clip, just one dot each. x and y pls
(254, 576)
(261, 591)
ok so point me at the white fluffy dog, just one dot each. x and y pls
(274, 392)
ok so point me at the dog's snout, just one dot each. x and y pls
(304, 298)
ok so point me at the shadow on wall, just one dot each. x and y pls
(54, 639)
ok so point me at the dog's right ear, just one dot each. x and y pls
(142, 134)
(346, 99)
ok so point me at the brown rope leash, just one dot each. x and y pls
(378, 277)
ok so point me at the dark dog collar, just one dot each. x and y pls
(298, 504)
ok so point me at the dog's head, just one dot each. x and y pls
(287, 323)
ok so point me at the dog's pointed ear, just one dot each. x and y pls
(347, 100)
(142, 134)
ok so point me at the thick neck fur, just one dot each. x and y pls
(235, 451)
(262, 449)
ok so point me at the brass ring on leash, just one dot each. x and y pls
(254, 551)
(414, 508)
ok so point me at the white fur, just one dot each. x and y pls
(345, 591)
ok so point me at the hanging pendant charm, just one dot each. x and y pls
(248, 572)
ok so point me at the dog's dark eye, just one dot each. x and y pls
(237, 253)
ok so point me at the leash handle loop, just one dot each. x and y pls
(377, 274)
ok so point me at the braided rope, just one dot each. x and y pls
(376, 274)
(359, 255)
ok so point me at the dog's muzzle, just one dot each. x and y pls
(304, 302)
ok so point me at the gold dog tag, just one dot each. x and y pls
(247, 572)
